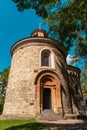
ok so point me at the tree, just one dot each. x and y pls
(84, 81)
(3, 80)
(67, 20)
(3, 84)
(84, 76)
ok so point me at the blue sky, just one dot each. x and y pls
(14, 26)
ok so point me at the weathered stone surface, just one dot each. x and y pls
(28, 80)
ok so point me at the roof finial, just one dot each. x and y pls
(40, 25)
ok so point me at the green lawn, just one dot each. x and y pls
(21, 125)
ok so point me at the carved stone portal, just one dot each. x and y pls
(48, 93)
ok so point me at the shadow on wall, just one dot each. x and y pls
(74, 87)
(76, 94)
(77, 98)
(63, 70)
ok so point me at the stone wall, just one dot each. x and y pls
(20, 95)
(75, 89)
(22, 91)
(64, 82)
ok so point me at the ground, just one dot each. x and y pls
(66, 124)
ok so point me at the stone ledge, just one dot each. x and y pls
(8, 117)
(75, 116)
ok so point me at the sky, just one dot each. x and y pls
(14, 26)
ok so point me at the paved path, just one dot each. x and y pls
(66, 124)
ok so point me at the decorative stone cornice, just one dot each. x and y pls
(39, 41)
(74, 71)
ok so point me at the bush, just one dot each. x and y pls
(1, 104)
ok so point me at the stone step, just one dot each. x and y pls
(49, 114)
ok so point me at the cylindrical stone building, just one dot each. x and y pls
(39, 78)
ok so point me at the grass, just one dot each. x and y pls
(21, 125)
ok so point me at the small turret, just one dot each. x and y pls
(39, 33)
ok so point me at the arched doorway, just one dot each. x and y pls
(48, 92)
(47, 98)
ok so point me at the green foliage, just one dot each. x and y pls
(1, 104)
(67, 25)
(3, 84)
(66, 20)
(84, 81)
(84, 91)
(37, 5)
(84, 76)
(3, 81)
(21, 125)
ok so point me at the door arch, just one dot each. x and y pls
(47, 84)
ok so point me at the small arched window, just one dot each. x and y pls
(45, 58)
